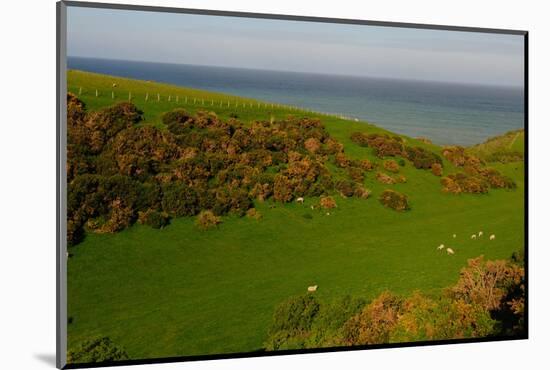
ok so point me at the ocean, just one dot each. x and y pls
(446, 113)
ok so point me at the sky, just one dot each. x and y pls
(359, 50)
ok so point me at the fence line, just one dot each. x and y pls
(237, 103)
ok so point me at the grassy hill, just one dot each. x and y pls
(508, 147)
(182, 291)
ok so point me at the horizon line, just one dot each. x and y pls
(509, 86)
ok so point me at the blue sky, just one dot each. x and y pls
(296, 46)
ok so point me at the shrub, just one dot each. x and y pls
(327, 202)
(292, 318)
(307, 216)
(282, 189)
(359, 138)
(422, 158)
(457, 155)
(385, 179)
(207, 220)
(366, 165)
(153, 218)
(341, 160)
(462, 183)
(177, 121)
(253, 213)
(356, 174)
(391, 165)
(312, 145)
(179, 200)
(394, 200)
(401, 162)
(384, 145)
(96, 350)
(374, 323)
(361, 192)
(437, 169)
(345, 187)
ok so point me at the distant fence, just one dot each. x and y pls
(194, 101)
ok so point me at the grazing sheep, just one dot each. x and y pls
(450, 251)
(480, 234)
(300, 200)
(454, 235)
(312, 207)
(441, 247)
(328, 213)
(474, 236)
(492, 237)
(312, 288)
(114, 85)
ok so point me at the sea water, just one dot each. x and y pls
(446, 113)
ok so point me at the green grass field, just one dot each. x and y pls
(181, 291)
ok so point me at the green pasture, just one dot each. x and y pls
(182, 291)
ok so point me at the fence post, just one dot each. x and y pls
(80, 91)
(146, 96)
(158, 97)
(112, 94)
(177, 99)
(96, 93)
(129, 96)
(169, 98)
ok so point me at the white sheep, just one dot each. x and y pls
(312, 207)
(480, 234)
(114, 85)
(492, 237)
(328, 213)
(454, 236)
(474, 236)
(450, 251)
(441, 247)
(300, 200)
(312, 288)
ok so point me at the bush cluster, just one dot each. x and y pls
(394, 200)
(120, 172)
(487, 300)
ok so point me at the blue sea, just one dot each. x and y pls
(446, 113)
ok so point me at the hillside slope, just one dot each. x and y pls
(183, 291)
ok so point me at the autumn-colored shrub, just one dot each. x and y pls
(356, 174)
(422, 158)
(400, 179)
(391, 165)
(366, 165)
(458, 156)
(207, 220)
(312, 145)
(177, 121)
(253, 213)
(345, 187)
(327, 202)
(374, 323)
(394, 200)
(359, 138)
(361, 192)
(385, 179)
(462, 183)
(437, 169)
(341, 160)
(385, 145)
